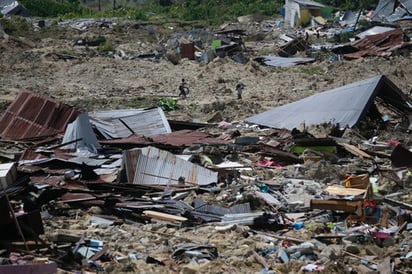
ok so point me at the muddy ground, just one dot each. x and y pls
(48, 61)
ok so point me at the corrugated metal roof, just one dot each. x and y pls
(151, 165)
(381, 44)
(343, 106)
(126, 122)
(33, 116)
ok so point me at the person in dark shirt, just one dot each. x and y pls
(183, 89)
(239, 89)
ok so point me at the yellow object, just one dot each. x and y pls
(320, 20)
(304, 17)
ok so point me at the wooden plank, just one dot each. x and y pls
(164, 216)
(355, 151)
(343, 191)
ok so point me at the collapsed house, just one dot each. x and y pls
(12, 7)
(300, 12)
(343, 106)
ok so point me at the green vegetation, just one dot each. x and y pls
(203, 11)
(312, 70)
(53, 8)
(167, 104)
(14, 25)
(345, 36)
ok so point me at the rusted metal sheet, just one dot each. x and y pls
(30, 154)
(187, 50)
(184, 138)
(34, 116)
(130, 159)
(181, 138)
(77, 197)
(151, 165)
(382, 44)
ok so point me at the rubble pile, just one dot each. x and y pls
(233, 196)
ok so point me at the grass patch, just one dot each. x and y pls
(15, 25)
(106, 46)
(312, 70)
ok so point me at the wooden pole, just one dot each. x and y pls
(15, 219)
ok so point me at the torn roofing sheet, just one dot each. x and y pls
(151, 165)
(33, 116)
(383, 10)
(126, 122)
(79, 134)
(392, 11)
(407, 4)
(277, 61)
(344, 106)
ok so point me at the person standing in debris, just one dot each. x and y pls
(239, 89)
(183, 89)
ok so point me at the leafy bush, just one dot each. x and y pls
(167, 104)
(345, 36)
